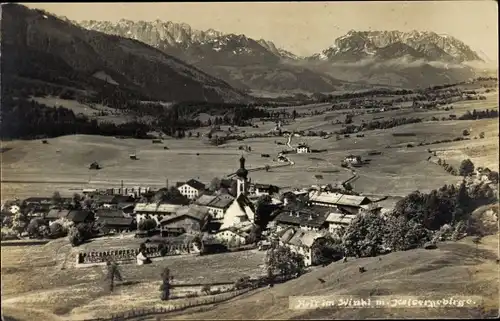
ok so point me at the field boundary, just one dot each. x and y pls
(172, 307)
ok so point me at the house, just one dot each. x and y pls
(354, 160)
(112, 201)
(80, 216)
(302, 242)
(189, 219)
(231, 235)
(303, 149)
(342, 202)
(217, 205)
(308, 219)
(55, 214)
(263, 189)
(116, 223)
(338, 221)
(156, 211)
(191, 189)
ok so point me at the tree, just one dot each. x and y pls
(403, 234)
(76, 201)
(280, 260)
(147, 224)
(263, 210)
(365, 235)
(165, 286)
(206, 289)
(481, 135)
(34, 228)
(75, 237)
(215, 184)
(466, 132)
(56, 199)
(466, 168)
(19, 222)
(267, 168)
(113, 274)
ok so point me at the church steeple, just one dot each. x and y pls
(241, 174)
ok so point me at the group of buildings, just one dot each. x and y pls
(227, 215)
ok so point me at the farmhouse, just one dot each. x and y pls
(191, 189)
(263, 189)
(189, 219)
(75, 216)
(304, 219)
(117, 224)
(231, 235)
(302, 242)
(354, 160)
(338, 221)
(217, 205)
(303, 149)
(156, 211)
(112, 201)
(348, 203)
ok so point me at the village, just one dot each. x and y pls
(194, 217)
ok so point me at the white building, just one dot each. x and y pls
(303, 149)
(191, 189)
(337, 221)
(154, 211)
(302, 242)
(231, 235)
(217, 205)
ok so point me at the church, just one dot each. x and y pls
(241, 212)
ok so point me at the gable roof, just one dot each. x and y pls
(156, 208)
(243, 201)
(205, 199)
(339, 199)
(79, 216)
(339, 218)
(194, 212)
(298, 237)
(115, 221)
(305, 217)
(196, 184)
(218, 201)
(108, 213)
(56, 213)
(38, 200)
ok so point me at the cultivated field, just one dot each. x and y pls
(42, 279)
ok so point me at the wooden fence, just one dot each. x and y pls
(172, 306)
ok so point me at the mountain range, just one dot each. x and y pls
(169, 61)
(258, 64)
(38, 46)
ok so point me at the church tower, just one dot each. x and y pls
(242, 178)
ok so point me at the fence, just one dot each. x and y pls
(173, 307)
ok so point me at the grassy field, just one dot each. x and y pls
(31, 168)
(32, 279)
(452, 270)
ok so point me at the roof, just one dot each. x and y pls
(156, 208)
(302, 146)
(339, 218)
(217, 201)
(265, 186)
(194, 212)
(116, 221)
(79, 216)
(38, 200)
(104, 198)
(57, 213)
(300, 238)
(109, 213)
(339, 199)
(243, 201)
(305, 217)
(196, 184)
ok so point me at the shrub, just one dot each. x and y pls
(466, 167)
(481, 135)
(8, 234)
(365, 235)
(206, 289)
(147, 224)
(75, 237)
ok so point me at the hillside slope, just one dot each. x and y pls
(37, 45)
(452, 270)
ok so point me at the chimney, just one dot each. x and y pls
(291, 213)
(310, 217)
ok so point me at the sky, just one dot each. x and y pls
(305, 28)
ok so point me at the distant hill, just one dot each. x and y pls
(243, 62)
(39, 46)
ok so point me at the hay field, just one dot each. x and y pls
(33, 281)
(452, 270)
